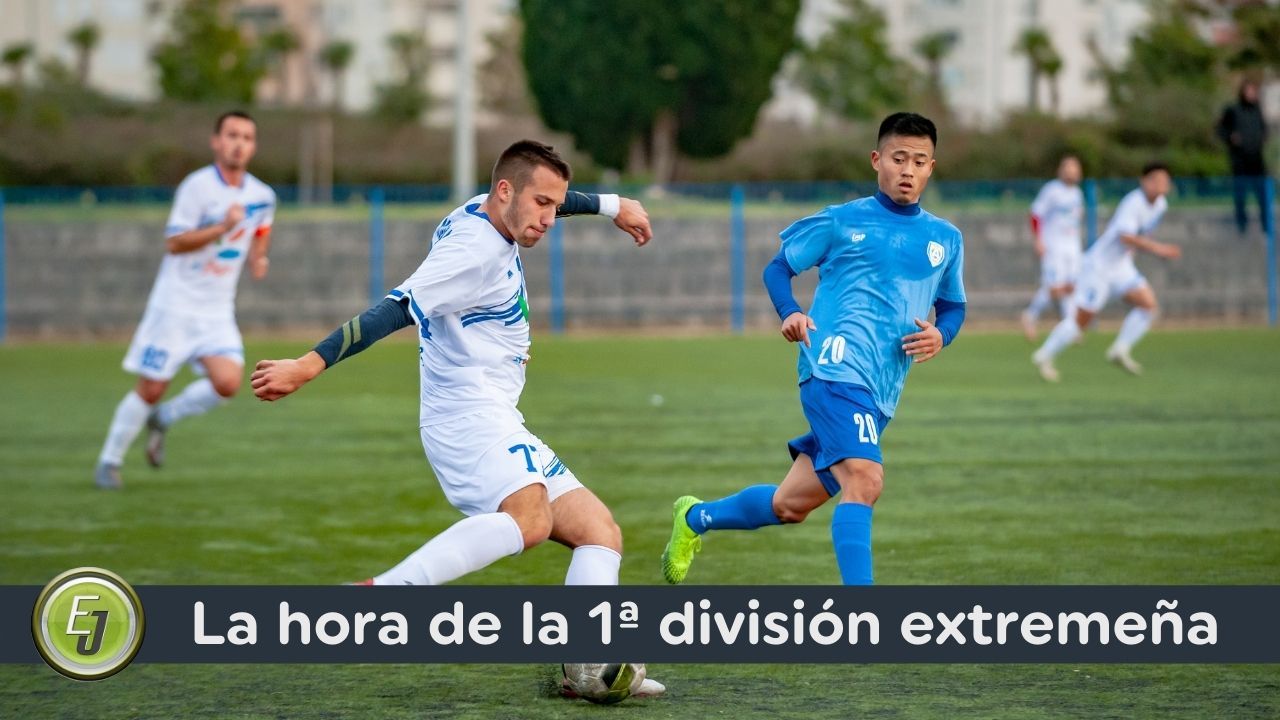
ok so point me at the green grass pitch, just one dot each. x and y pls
(991, 478)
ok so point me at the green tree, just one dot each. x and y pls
(15, 57)
(850, 70)
(1258, 47)
(404, 99)
(277, 46)
(205, 57)
(336, 57)
(85, 37)
(933, 49)
(643, 80)
(1044, 61)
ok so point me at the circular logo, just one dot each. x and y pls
(87, 623)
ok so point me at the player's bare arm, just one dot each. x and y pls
(923, 345)
(796, 328)
(274, 379)
(1167, 251)
(259, 263)
(193, 240)
(634, 220)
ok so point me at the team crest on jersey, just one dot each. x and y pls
(936, 253)
(858, 237)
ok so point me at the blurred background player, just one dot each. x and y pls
(1056, 222)
(1108, 271)
(221, 218)
(468, 301)
(1243, 128)
(883, 264)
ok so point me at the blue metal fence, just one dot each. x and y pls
(736, 195)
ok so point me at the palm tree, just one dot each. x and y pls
(933, 49)
(15, 57)
(336, 57)
(278, 45)
(1044, 60)
(84, 37)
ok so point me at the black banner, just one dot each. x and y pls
(655, 624)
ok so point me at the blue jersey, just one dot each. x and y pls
(880, 266)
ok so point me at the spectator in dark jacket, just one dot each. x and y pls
(1244, 131)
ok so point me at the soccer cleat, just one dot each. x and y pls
(155, 440)
(1125, 361)
(684, 543)
(1047, 371)
(649, 688)
(1029, 326)
(107, 476)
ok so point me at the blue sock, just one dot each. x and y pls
(851, 535)
(749, 509)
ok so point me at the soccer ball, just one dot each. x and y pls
(604, 683)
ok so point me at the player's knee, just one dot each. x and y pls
(865, 486)
(151, 390)
(788, 511)
(226, 387)
(610, 535)
(535, 528)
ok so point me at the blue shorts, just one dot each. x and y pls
(844, 422)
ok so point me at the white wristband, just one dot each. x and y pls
(610, 204)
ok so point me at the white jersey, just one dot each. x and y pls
(1134, 216)
(202, 283)
(468, 300)
(1059, 208)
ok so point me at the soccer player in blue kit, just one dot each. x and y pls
(882, 263)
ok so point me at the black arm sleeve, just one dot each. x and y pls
(363, 330)
(579, 203)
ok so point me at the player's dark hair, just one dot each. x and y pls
(516, 163)
(907, 124)
(217, 125)
(1154, 166)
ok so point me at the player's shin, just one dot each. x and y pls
(748, 509)
(130, 416)
(593, 565)
(1064, 333)
(195, 399)
(466, 546)
(1136, 324)
(851, 537)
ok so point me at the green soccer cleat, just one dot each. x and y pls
(684, 543)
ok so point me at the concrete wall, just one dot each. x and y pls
(83, 279)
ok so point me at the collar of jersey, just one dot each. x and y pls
(474, 209)
(223, 180)
(893, 207)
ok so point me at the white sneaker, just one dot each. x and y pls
(650, 688)
(1047, 371)
(1029, 326)
(1125, 361)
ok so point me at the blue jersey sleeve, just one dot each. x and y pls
(805, 242)
(952, 286)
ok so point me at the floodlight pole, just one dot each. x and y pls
(464, 124)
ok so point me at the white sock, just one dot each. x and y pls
(195, 399)
(1136, 324)
(131, 415)
(593, 565)
(466, 546)
(1066, 306)
(1063, 334)
(1039, 302)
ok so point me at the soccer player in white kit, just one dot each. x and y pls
(1108, 271)
(221, 220)
(468, 301)
(1056, 221)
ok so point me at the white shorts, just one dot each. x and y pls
(1059, 266)
(1096, 285)
(165, 341)
(481, 459)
